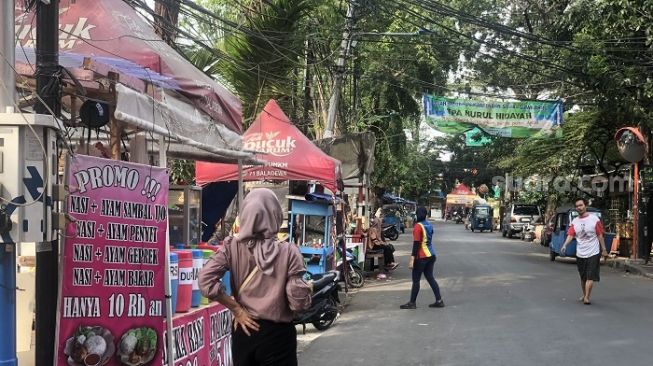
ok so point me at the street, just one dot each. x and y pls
(506, 304)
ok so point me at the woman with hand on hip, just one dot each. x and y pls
(267, 278)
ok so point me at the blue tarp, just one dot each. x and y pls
(216, 198)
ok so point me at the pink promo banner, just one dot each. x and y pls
(202, 337)
(111, 303)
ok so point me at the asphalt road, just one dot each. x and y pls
(506, 304)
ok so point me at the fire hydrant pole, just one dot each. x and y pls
(7, 250)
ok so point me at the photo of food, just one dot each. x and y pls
(90, 346)
(137, 346)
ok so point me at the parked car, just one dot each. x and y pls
(517, 216)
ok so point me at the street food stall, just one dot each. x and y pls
(311, 228)
(461, 198)
(289, 155)
(155, 104)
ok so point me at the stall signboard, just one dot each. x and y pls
(498, 118)
(460, 199)
(189, 339)
(202, 337)
(111, 302)
(219, 335)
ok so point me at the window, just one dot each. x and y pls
(526, 210)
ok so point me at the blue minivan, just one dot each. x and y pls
(561, 224)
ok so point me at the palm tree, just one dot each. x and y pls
(260, 56)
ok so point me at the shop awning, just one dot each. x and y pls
(289, 155)
(179, 121)
(113, 32)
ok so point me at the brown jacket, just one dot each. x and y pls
(271, 297)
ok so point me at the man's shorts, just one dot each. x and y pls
(589, 268)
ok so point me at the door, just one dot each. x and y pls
(559, 231)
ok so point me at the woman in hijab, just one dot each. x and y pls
(266, 275)
(422, 260)
(377, 242)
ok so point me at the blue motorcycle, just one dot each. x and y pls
(355, 276)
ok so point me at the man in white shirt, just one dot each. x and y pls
(590, 245)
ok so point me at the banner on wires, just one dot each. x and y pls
(506, 119)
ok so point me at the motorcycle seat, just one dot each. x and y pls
(324, 281)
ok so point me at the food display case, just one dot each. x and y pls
(310, 228)
(185, 214)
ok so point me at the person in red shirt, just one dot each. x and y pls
(590, 245)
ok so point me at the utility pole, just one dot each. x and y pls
(336, 90)
(47, 253)
(168, 10)
(306, 86)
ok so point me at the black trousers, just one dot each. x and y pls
(424, 267)
(388, 256)
(275, 344)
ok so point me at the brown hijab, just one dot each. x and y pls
(260, 220)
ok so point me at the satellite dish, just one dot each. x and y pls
(631, 144)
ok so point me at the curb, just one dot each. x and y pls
(627, 266)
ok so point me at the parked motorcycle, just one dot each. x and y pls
(355, 276)
(324, 302)
(390, 232)
(528, 232)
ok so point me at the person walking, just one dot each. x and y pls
(267, 278)
(422, 261)
(590, 246)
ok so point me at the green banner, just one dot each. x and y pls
(476, 138)
(507, 119)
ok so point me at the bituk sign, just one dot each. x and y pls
(270, 143)
(71, 34)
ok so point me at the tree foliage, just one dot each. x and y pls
(595, 55)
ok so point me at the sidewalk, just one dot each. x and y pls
(634, 266)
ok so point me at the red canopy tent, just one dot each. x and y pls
(289, 155)
(462, 189)
(461, 195)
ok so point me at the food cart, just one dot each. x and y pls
(311, 228)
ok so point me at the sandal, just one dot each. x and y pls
(392, 267)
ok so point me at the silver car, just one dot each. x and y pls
(517, 216)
